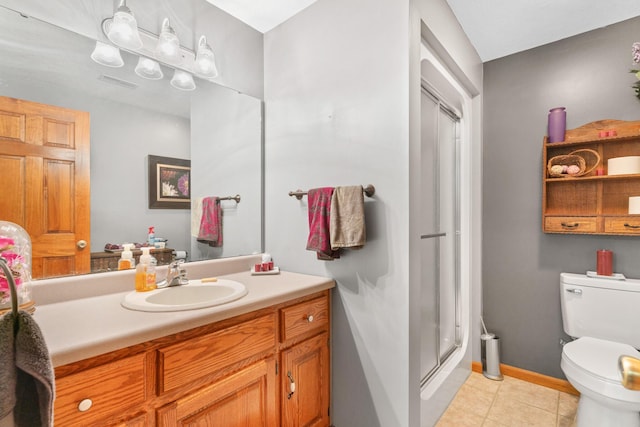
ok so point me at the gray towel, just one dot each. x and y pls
(346, 227)
(27, 387)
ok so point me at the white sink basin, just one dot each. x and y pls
(187, 297)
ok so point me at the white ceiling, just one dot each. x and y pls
(499, 28)
(263, 15)
(496, 28)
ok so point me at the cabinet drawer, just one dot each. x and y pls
(304, 317)
(190, 360)
(106, 390)
(622, 225)
(571, 224)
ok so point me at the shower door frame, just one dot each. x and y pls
(443, 107)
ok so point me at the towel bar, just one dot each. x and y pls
(236, 198)
(369, 191)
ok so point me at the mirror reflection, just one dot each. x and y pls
(131, 118)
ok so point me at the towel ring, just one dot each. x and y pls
(12, 285)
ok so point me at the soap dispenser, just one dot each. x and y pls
(126, 260)
(146, 272)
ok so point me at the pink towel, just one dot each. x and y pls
(211, 223)
(319, 201)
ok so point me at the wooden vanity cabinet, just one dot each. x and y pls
(592, 203)
(304, 376)
(235, 372)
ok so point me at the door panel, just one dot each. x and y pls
(439, 235)
(46, 148)
(430, 246)
(305, 383)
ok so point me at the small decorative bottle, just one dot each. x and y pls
(557, 124)
(126, 260)
(15, 248)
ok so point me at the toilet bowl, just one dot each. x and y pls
(591, 366)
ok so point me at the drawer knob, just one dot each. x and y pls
(310, 318)
(85, 405)
(626, 224)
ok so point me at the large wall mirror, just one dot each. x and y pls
(217, 128)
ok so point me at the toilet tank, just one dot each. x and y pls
(601, 308)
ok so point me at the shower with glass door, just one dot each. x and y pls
(439, 227)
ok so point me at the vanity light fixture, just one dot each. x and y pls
(149, 69)
(205, 63)
(168, 47)
(106, 54)
(154, 50)
(183, 80)
(124, 29)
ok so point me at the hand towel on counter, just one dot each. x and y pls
(27, 385)
(319, 205)
(211, 223)
(347, 228)
(196, 216)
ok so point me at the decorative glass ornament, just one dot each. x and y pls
(15, 248)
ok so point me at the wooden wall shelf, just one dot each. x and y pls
(592, 204)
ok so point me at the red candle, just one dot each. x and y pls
(605, 263)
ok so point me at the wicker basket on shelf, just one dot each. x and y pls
(585, 159)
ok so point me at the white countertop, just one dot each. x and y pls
(80, 328)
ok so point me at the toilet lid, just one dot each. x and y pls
(599, 357)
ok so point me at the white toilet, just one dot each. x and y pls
(604, 317)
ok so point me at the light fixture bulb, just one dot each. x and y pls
(183, 80)
(105, 54)
(168, 47)
(124, 28)
(205, 62)
(148, 68)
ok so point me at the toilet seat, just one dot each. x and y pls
(592, 363)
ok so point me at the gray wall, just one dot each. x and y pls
(587, 74)
(226, 159)
(338, 78)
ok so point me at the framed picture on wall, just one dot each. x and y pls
(169, 183)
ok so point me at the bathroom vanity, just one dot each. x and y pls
(260, 360)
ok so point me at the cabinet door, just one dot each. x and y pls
(247, 398)
(305, 383)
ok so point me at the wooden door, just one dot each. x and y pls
(247, 398)
(44, 159)
(305, 383)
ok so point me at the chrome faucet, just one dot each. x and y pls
(176, 275)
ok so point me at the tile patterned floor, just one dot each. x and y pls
(482, 402)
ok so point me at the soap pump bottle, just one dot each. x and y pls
(146, 272)
(126, 260)
(150, 263)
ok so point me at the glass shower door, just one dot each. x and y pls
(439, 225)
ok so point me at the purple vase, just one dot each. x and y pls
(557, 124)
